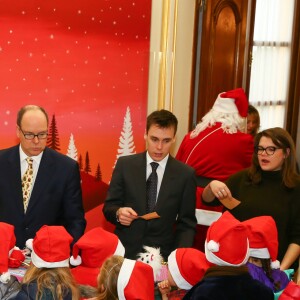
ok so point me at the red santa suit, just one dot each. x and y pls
(217, 150)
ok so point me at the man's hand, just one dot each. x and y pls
(126, 215)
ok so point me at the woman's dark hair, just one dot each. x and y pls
(253, 111)
(266, 265)
(282, 139)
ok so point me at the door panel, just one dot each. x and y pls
(222, 50)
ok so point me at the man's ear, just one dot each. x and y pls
(18, 131)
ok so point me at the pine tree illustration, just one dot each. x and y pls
(53, 140)
(80, 162)
(72, 150)
(87, 167)
(98, 175)
(126, 143)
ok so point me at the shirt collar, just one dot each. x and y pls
(23, 156)
(162, 163)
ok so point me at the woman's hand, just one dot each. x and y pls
(219, 189)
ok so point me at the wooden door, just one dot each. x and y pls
(223, 42)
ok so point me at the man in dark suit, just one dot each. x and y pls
(176, 190)
(55, 196)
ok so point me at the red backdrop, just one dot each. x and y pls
(85, 62)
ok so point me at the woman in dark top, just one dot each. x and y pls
(271, 186)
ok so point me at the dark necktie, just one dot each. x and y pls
(152, 188)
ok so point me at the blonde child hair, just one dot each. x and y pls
(45, 279)
(108, 278)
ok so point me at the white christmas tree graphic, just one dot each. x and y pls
(72, 150)
(126, 143)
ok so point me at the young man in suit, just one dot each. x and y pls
(175, 193)
(54, 195)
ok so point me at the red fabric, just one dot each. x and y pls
(177, 294)
(291, 292)
(241, 100)
(86, 276)
(16, 258)
(217, 156)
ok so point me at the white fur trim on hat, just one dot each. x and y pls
(75, 261)
(29, 244)
(124, 277)
(275, 264)
(213, 246)
(218, 261)
(40, 263)
(5, 277)
(260, 252)
(175, 272)
(120, 250)
(225, 105)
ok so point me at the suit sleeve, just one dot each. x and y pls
(115, 194)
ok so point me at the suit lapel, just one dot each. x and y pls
(14, 176)
(167, 181)
(140, 179)
(45, 172)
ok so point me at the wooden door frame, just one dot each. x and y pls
(293, 102)
(292, 114)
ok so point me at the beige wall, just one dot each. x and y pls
(172, 27)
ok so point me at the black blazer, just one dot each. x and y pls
(175, 204)
(56, 198)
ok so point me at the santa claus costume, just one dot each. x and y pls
(218, 147)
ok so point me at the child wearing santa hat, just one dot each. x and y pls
(122, 278)
(49, 275)
(227, 246)
(263, 264)
(10, 257)
(186, 267)
(89, 253)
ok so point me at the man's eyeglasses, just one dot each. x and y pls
(31, 136)
(269, 150)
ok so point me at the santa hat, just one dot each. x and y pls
(187, 267)
(263, 239)
(135, 278)
(50, 247)
(291, 292)
(7, 243)
(95, 246)
(227, 242)
(234, 101)
(230, 109)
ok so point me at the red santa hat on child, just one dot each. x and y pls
(7, 244)
(263, 239)
(50, 247)
(234, 101)
(227, 242)
(135, 278)
(187, 267)
(291, 292)
(95, 246)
